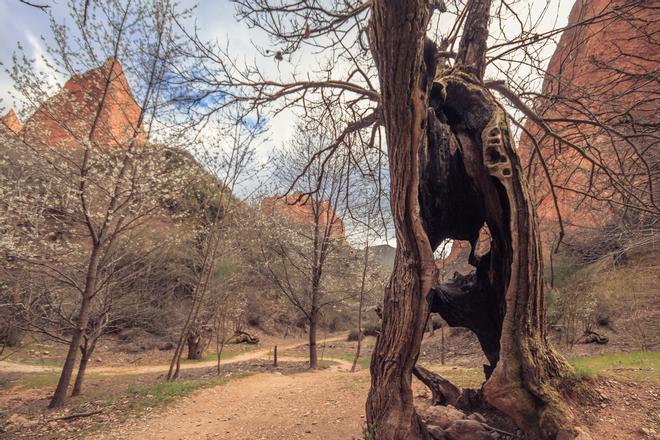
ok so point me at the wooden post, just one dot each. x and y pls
(442, 345)
(275, 357)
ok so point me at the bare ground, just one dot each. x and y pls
(327, 404)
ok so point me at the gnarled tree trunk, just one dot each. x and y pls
(454, 169)
(397, 42)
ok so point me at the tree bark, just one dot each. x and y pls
(453, 170)
(397, 43)
(443, 391)
(195, 344)
(313, 352)
(59, 396)
(86, 352)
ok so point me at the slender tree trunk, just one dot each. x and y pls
(220, 338)
(86, 354)
(198, 299)
(360, 303)
(313, 352)
(59, 396)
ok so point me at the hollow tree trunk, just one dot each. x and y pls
(502, 301)
(453, 170)
(59, 396)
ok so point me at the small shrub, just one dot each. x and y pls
(254, 321)
(436, 321)
(353, 335)
(603, 321)
(371, 329)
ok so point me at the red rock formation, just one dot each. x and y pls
(11, 121)
(300, 209)
(600, 87)
(65, 120)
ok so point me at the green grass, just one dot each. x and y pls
(35, 381)
(211, 356)
(644, 366)
(25, 355)
(32, 381)
(363, 361)
(461, 376)
(164, 393)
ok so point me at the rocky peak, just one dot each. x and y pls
(602, 71)
(299, 208)
(11, 121)
(65, 120)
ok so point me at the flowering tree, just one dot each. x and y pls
(84, 170)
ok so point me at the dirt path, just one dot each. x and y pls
(13, 367)
(327, 404)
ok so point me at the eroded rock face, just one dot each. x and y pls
(65, 120)
(11, 122)
(299, 208)
(600, 93)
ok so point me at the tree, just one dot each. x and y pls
(300, 253)
(228, 157)
(90, 171)
(444, 128)
(366, 277)
(453, 168)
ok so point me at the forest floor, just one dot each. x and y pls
(251, 399)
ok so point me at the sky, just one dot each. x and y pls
(21, 24)
(24, 25)
(27, 26)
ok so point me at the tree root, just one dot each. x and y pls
(446, 393)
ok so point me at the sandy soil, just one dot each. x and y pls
(327, 404)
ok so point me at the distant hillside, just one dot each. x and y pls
(299, 208)
(384, 254)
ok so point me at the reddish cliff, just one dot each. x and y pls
(65, 120)
(302, 209)
(599, 94)
(11, 121)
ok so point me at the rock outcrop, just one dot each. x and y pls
(302, 209)
(11, 122)
(65, 120)
(600, 94)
